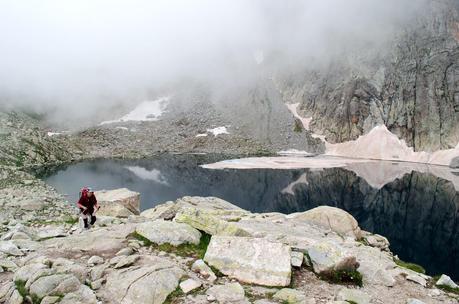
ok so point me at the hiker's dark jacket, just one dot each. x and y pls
(88, 202)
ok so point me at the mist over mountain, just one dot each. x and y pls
(76, 58)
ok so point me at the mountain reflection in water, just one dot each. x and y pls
(417, 211)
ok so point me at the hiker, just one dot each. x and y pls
(88, 206)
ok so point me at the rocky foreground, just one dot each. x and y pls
(195, 250)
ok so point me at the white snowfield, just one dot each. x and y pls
(376, 173)
(381, 144)
(294, 152)
(54, 133)
(218, 131)
(146, 111)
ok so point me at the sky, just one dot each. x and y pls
(73, 54)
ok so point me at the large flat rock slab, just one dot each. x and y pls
(250, 260)
(161, 232)
(114, 202)
(101, 240)
(148, 284)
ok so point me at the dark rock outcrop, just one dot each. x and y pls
(413, 88)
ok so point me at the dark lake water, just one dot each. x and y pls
(418, 212)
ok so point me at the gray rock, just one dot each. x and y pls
(162, 232)
(54, 285)
(228, 293)
(331, 218)
(201, 267)
(446, 281)
(62, 265)
(120, 197)
(355, 295)
(297, 258)
(50, 232)
(27, 271)
(189, 285)
(417, 279)
(125, 251)
(95, 260)
(126, 261)
(8, 265)
(327, 257)
(291, 296)
(9, 248)
(250, 260)
(152, 284)
(16, 298)
(84, 295)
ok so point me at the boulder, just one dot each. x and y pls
(8, 265)
(113, 210)
(16, 298)
(297, 258)
(123, 197)
(446, 281)
(327, 257)
(228, 293)
(250, 260)
(9, 248)
(27, 271)
(84, 295)
(54, 285)
(201, 267)
(353, 295)
(50, 232)
(164, 211)
(189, 285)
(161, 232)
(95, 260)
(151, 284)
(62, 265)
(331, 218)
(290, 296)
(208, 221)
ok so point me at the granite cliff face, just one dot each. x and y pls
(412, 86)
(24, 142)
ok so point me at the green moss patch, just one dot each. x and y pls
(185, 250)
(411, 266)
(346, 277)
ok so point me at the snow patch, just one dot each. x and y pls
(54, 133)
(382, 144)
(146, 111)
(153, 175)
(294, 152)
(201, 135)
(376, 173)
(122, 128)
(218, 131)
(284, 162)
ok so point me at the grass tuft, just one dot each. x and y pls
(411, 266)
(184, 250)
(352, 277)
